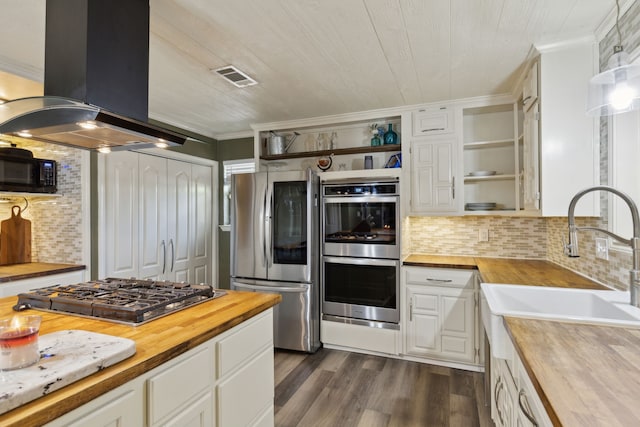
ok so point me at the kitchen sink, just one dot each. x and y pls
(601, 307)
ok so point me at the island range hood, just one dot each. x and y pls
(96, 80)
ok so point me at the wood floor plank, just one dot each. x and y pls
(296, 408)
(335, 388)
(371, 418)
(290, 384)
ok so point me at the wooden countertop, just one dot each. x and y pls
(28, 270)
(156, 342)
(512, 271)
(584, 374)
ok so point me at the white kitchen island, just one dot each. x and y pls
(208, 365)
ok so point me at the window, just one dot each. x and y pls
(231, 167)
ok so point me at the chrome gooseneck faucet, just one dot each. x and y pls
(571, 248)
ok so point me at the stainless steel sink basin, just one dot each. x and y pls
(602, 307)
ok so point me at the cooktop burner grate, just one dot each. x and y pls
(131, 301)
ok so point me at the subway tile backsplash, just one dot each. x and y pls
(56, 223)
(518, 237)
(509, 237)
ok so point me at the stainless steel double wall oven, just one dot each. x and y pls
(360, 231)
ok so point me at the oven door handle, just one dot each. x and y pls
(360, 199)
(361, 261)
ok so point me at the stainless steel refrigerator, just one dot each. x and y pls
(275, 249)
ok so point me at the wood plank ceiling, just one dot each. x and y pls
(320, 57)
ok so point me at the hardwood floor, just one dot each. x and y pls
(337, 388)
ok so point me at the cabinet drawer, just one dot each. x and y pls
(180, 384)
(438, 276)
(247, 392)
(236, 349)
(432, 121)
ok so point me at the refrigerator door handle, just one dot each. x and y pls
(265, 226)
(271, 288)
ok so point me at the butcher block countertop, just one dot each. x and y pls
(9, 273)
(585, 375)
(157, 342)
(511, 271)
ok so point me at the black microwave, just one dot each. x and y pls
(22, 172)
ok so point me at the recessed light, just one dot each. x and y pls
(104, 150)
(161, 144)
(25, 134)
(88, 125)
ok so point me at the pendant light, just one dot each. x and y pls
(617, 89)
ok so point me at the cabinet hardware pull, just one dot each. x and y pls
(431, 129)
(524, 101)
(453, 187)
(164, 256)
(173, 255)
(411, 310)
(497, 396)
(525, 408)
(429, 279)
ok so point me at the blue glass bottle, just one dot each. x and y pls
(390, 137)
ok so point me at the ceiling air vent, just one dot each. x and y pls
(235, 76)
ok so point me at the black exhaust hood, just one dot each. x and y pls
(96, 80)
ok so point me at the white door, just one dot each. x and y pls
(433, 175)
(179, 221)
(201, 220)
(153, 217)
(121, 215)
(531, 162)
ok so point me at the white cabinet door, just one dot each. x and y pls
(157, 218)
(179, 221)
(531, 160)
(433, 174)
(432, 121)
(153, 217)
(201, 220)
(441, 313)
(423, 325)
(121, 214)
(569, 146)
(457, 324)
(530, 87)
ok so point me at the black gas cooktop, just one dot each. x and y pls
(130, 301)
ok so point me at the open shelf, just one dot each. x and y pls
(336, 152)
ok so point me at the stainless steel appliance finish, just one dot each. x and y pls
(129, 301)
(361, 288)
(274, 249)
(360, 219)
(360, 271)
(291, 328)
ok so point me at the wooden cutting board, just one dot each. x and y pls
(15, 239)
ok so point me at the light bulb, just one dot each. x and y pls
(621, 96)
(88, 125)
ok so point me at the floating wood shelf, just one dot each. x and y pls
(336, 152)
